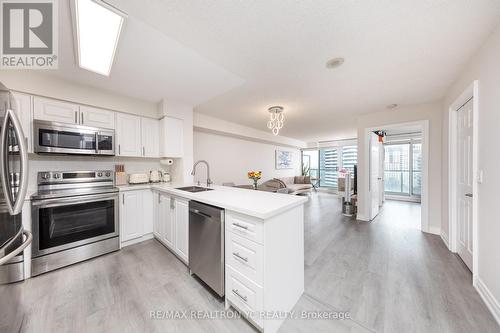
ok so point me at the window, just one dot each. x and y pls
(325, 164)
(402, 168)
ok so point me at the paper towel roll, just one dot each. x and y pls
(167, 161)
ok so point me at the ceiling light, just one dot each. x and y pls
(392, 106)
(275, 123)
(97, 27)
(335, 62)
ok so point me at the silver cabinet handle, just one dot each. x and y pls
(237, 255)
(237, 293)
(81, 115)
(119, 149)
(468, 195)
(76, 117)
(143, 151)
(123, 198)
(240, 226)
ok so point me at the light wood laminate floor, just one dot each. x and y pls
(387, 274)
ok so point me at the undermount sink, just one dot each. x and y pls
(194, 189)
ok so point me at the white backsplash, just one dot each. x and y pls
(74, 162)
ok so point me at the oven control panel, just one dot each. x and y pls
(51, 177)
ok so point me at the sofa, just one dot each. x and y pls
(290, 185)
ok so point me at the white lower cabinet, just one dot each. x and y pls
(136, 215)
(171, 225)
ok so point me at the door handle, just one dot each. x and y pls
(469, 195)
(239, 256)
(196, 211)
(237, 293)
(76, 117)
(29, 238)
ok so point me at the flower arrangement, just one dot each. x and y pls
(255, 176)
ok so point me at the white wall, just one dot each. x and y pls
(485, 67)
(431, 112)
(38, 83)
(230, 158)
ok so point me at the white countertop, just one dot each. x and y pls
(260, 204)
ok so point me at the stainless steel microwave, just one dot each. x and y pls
(59, 138)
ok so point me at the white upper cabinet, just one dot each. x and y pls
(95, 117)
(128, 135)
(54, 110)
(171, 137)
(150, 129)
(24, 113)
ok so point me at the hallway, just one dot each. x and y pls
(388, 274)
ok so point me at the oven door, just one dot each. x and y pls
(64, 223)
(60, 138)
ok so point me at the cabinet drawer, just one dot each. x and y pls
(245, 226)
(245, 256)
(245, 295)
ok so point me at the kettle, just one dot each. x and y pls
(154, 176)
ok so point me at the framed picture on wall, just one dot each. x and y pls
(284, 159)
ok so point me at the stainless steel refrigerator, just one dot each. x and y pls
(14, 184)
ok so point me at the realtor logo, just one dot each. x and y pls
(29, 34)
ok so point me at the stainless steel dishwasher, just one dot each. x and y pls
(206, 244)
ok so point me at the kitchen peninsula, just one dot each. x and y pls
(264, 241)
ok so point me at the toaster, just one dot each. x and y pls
(138, 178)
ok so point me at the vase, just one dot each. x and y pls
(255, 184)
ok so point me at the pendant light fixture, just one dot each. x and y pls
(275, 122)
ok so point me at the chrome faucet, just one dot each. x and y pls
(209, 181)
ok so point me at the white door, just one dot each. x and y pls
(172, 137)
(182, 229)
(95, 117)
(465, 178)
(147, 212)
(54, 110)
(131, 215)
(23, 107)
(166, 215)
(150, 129)
(128, 135)
(374, 181)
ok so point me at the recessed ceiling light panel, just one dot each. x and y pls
(335, 62)
(97, 28)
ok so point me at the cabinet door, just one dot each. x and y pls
(182, 229)
(167, 220)
(94, 117)
(131, 215)
(150, 130)
(172, 137)
(54, 110)
(23, 109)
(147, 211)
(128, 135)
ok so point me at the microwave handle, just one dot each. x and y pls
(14, 205)
(97, 142)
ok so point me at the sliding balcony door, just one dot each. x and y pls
(403, 169)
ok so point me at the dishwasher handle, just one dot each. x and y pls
(196, 211)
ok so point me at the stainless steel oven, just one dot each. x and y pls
(74, 218)
(59, 138)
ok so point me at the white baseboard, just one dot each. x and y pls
(137, 240)
(488, 298)
(433, 230)
(445, 239)
(362, 218)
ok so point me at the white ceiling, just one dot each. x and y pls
(148, 65)
(405, 52)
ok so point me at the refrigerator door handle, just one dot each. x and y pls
(14, 205)
(27, 241)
